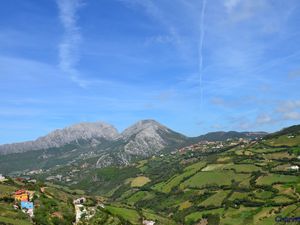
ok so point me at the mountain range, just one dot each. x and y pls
(100, 144)
(93, 132)
(244, 182)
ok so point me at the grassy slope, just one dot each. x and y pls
(239, 186)
(239, 193)
(53, 200)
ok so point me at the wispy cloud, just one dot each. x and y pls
(284, 112)
(231, 4)
(294, 74)
(173, 30)
(201, 41)
(262, 119)
(69, 47)
(186, 34)
(289, 105)
(292, 116)
(289, 110)
(240, 10)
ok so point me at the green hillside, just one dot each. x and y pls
(249, 183)
(52, 206)
(244, 182)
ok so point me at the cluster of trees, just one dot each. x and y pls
(51, 211)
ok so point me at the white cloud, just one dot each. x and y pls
(294, 74)
(288, 106)
(263, 119)
(69, 47)
(286, 111)
(160, 39)
(231, 4)
(158, 14)
(244, 125)
(217, 126)
(241, 10)
(172, 24)
(289, 110)
(291, 115)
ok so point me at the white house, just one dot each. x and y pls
(79, 201)
(2, 178)
(101, 205)
(294, 167)
(148, 222)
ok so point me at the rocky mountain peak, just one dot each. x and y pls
(81, 131)
(147, 128)
(146, 137)
(84, 131)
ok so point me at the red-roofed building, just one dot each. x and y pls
(21, 195)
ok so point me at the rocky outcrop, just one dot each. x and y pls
(91, 132)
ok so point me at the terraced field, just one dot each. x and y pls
(139, 181)
(213, 178)
(127, 214)
(241, 184)
(273, 178)
(189, 171)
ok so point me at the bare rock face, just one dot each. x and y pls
(92, 132)
(145, 128)
(146, 137)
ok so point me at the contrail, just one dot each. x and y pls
(200, 65)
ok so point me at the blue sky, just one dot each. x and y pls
(195, 66)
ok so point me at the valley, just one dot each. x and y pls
(232, 181)
(149, 112)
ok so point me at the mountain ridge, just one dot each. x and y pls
(87, 145)
(256, 176)
(59, 137)
(223, 135)
(146, 131)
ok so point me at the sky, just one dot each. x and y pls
(195, 66)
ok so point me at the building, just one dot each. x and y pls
(294, 167)
(26, 205)
(21, 195)
(2, 178)
(79, 201)
(33, 181)
(148, 222)
(101, 205)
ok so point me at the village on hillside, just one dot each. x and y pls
(214, 146)
(23, 195)
(23, 201)
(22, 198)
